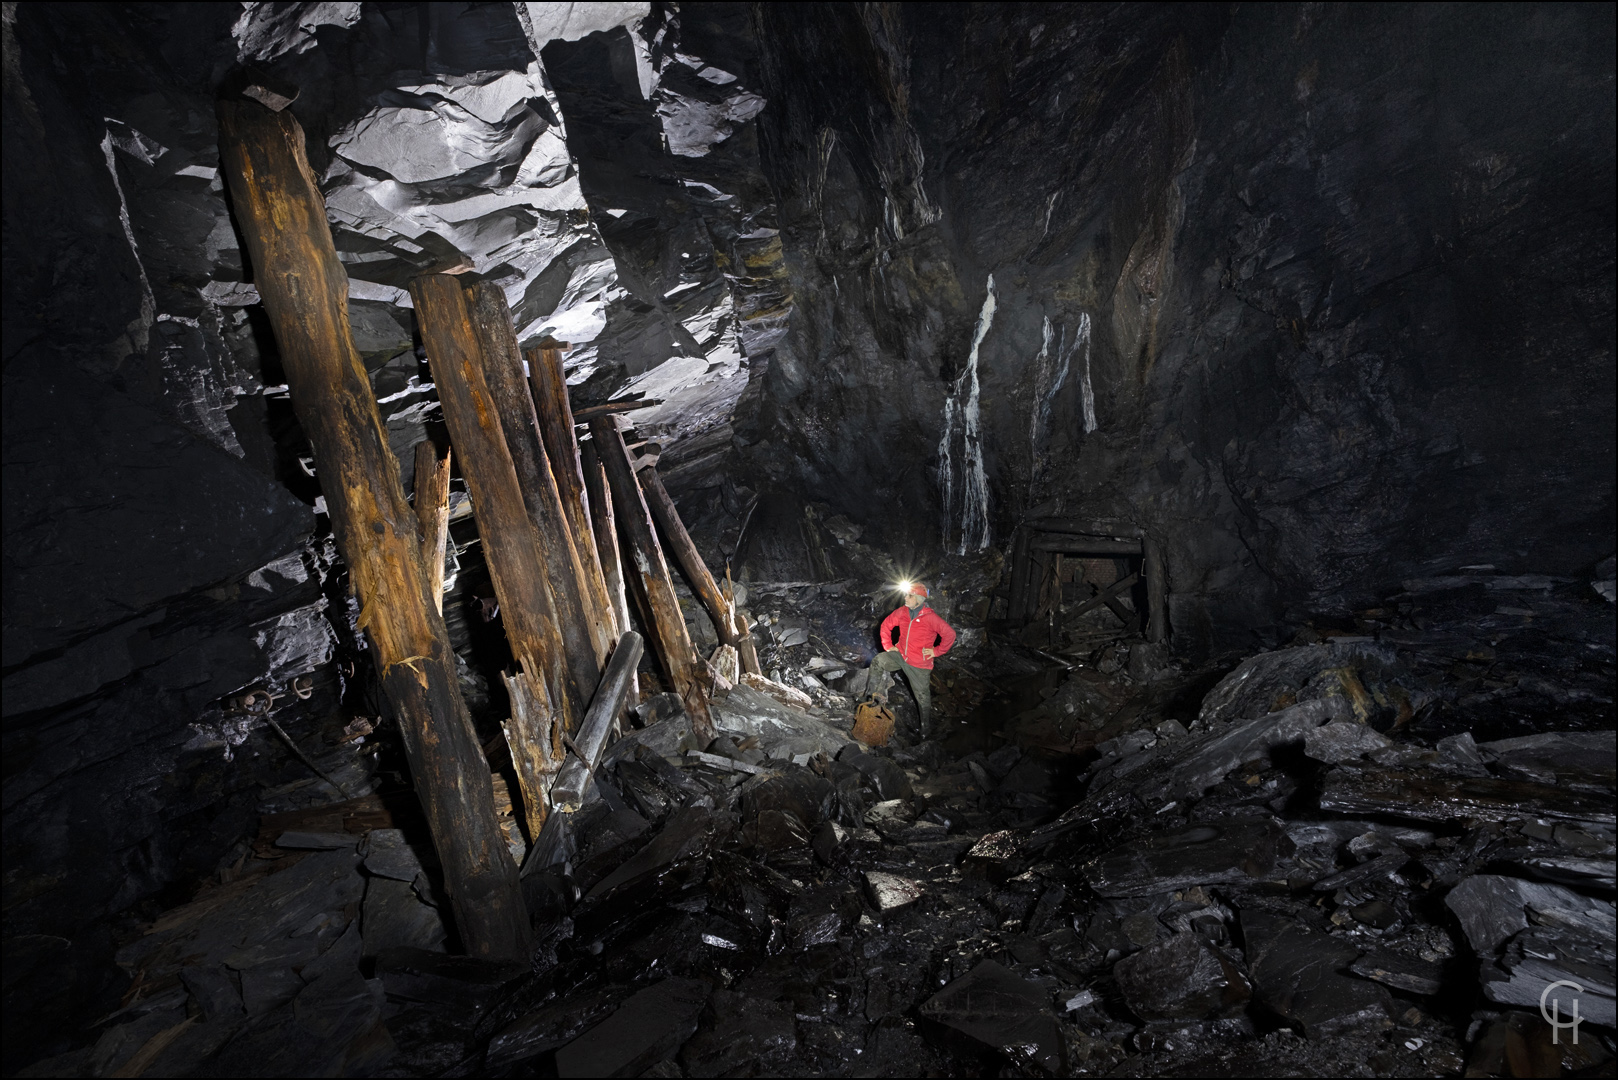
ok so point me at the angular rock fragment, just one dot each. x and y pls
(1297, 973)
(552, 1026)
(649, 1027)
(686, 835)
(1580, 760)
(1543, 956)
(1001, 1009)
(890, 891)
(1442, 798)
(1203, 762)
(1183, 978)
(421, 975)
(316, 841)
(1493, 908)
(748, 1037)
(1410, 974)
(1343, 741)
(1208, 854)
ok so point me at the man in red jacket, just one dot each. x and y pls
(922, 636)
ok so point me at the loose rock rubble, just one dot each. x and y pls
(1312, 868)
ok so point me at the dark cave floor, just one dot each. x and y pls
(1363, 854)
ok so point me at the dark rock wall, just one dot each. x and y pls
(1322, 296)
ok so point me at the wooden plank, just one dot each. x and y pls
(548, 385)
(1157, 614)
(282, 218)
(667, 516)
(588, 641)
(511, 546)
(1080, 528)
(1086, 545)
(432, 510)
(649, 572)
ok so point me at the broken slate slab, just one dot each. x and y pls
(1203, 762)
(1407, 973)
(1223, 853)
(1492, 908)
(648, 1028)
(1183, 978)
(1585, 760)
(1297, 973)
(555, 1025)
(999, 1008)
(1543, 956)
(1343, 741)
(685, 835)
(1423, 797)
(890, 891)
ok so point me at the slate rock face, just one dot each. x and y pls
(1183, 978)
(1198, 323)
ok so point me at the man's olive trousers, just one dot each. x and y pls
(876, 682)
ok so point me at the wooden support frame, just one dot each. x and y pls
(588, 640)
(650, 572)
(547, 703)
(278, 206)
(1038, 541)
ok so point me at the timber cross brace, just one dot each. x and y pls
(1054, 559)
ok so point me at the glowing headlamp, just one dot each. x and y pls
(904, 587)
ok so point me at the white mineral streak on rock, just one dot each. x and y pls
(1087, 390)
(974, 481)
(265, 30)
(1050, 375)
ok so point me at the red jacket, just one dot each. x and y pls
(925, 631)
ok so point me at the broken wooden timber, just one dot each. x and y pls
(650, 572)
(667, 516)
(548, 384)
(606, 531)
(590, 412)
(304, 288)
(588, 641)
(432, 510)
(517, 567)
(567, 794)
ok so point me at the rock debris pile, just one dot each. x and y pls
(1314, 873)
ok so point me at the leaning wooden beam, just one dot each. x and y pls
(1157, 616)
(590, 412)
(567, 794)
(305, 293)
(588, 642)
(651, 574)
(432, 510)
(667, 516)
(548, 384)
(604, 526)
(516, 565)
